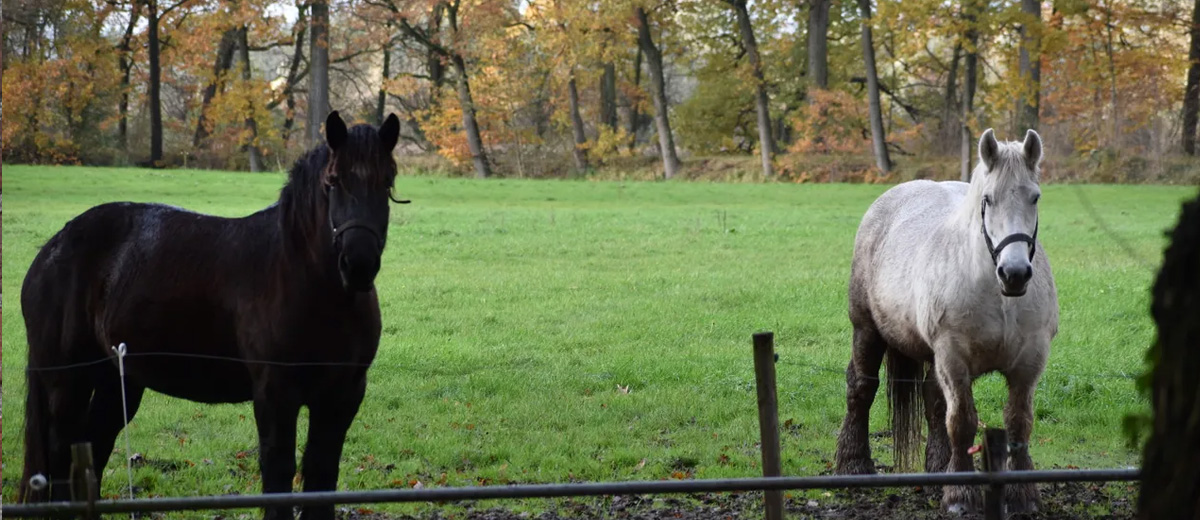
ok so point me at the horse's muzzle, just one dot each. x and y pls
(358, 263)
(1014, 278)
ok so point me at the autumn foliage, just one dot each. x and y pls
(1112, 79)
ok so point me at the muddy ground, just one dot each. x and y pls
(1068, 501)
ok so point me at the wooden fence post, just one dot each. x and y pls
(768, 418)
(995, 454)
(83, 478)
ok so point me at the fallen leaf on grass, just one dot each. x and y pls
(640, 465)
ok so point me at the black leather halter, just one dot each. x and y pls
(1015, 237)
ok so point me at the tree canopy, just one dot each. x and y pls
(542, 87)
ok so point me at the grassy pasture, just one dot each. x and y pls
(516, 313)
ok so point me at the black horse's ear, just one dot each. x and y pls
(389, 133)
(335, 131)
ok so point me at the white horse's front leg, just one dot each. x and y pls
(937, 444)
(853, 455)
(961, 424)
(1018, 419)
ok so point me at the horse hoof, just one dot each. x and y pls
(961, 499)
(1022, 498)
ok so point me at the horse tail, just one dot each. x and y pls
(904, 379)
(36, 436)
(42, 309)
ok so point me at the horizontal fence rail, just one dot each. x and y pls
(565, 490)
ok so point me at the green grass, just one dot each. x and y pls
(513, 310)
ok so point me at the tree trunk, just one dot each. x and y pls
(434, 60)
(1191, 95)
(32, 52)
(968, 99)
(224, 61)
(156, 129)
(381, 105)
(1114, 100)
(1170, 481)
(634, 115)
(818, 43)
(658, 93)
(1030, 68)
(318, 72)
(761, 102)
(126, 65)
(251, 124)
(877, 136)
(289, 90)
(608, 96)
(950, 126)
(577, 126)
(470, 124)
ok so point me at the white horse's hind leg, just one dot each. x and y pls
(1018, 419)
(862, 381)
(961, 425)
(937, 445)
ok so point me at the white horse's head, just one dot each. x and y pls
(1008, 205)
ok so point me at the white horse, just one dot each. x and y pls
(950, 274)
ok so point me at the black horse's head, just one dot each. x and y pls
(358, 183)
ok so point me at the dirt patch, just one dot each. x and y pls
(1069, 501)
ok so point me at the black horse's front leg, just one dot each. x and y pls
(276, 417)
(329, 419)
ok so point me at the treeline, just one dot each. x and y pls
(543, 87)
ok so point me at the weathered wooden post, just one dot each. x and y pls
(768, 418)
(995, 454)
(83, 478)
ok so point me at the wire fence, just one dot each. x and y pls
(995, 453)
(790, 361)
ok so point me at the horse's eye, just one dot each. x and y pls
(1036, 198)
(987, 200)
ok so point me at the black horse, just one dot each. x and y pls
(278, 307)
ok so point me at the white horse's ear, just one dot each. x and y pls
(989, 149)
(1032, 149)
